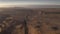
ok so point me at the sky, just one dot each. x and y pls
(28, 2)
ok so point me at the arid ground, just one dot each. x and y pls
(18, 20)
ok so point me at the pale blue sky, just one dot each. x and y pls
(33, 1)
(29, 2)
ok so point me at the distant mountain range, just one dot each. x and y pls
(43, 6)
(34, 6)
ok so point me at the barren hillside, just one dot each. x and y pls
(29, 21)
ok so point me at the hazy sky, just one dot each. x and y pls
(29, 2)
